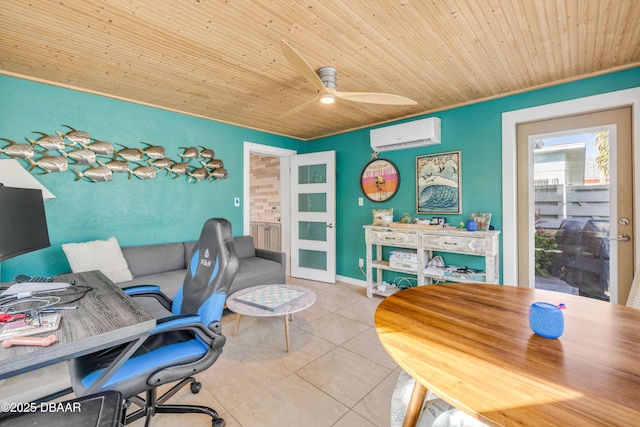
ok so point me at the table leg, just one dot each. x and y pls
(108, 372)
(286, 331)
(238, 317)
(415, 405)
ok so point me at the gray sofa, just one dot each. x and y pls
(165, 265)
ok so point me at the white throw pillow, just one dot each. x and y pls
(103, 255)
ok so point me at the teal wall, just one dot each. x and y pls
(134, 211)
(166, 210)
(476, 131)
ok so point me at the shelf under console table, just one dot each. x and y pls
(425, 241)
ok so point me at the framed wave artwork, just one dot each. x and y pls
(438, 183)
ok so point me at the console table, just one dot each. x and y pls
(425, 241)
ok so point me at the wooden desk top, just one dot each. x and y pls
(105, 317)
(471, 344)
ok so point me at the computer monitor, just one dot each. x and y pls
(23, 224)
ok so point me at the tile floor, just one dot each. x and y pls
(337, 373)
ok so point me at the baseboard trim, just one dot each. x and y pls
(352, 281)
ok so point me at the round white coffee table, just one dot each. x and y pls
(270, 301)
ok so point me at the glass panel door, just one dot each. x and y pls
(579, 183)
(572, 197)
(313, 216)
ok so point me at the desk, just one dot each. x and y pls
(472, 346)
(105, 317)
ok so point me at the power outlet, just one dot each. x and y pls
(360, 262)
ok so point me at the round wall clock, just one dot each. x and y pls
(380, 180)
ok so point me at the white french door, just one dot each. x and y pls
(313, 216)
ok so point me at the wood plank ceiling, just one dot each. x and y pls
(221, 59)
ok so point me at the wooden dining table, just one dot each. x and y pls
(471, 344)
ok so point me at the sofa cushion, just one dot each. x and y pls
(254, 271)
(151, 259)
(103, 255)
(244, 246)
(169, 281)
(256, 266)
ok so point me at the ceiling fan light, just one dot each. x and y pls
(327, 98)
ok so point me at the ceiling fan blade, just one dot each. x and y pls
(297, 109)
(302, 67)
(375, 98)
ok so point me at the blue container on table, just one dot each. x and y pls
(546, 319)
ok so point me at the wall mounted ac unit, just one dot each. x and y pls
(417, 133)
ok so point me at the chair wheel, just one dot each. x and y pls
(195, 387)
(217, 422)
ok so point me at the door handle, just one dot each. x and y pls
(330, 225)
(622, 238)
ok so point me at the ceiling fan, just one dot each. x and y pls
(324, 81)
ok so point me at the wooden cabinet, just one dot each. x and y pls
(426, 241)
(266, 235)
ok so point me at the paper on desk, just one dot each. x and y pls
(31, 287)
(22, 328)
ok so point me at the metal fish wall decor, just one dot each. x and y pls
(207, 153)
(213, 164)
(154, 151)
(101, 147)
(198, 175)
(178, 168)
(130, 154)
(220, 173)
(49, 142)
(143, 172)
(116, 166)
(83, 155)
(161, 163)
(50, 164)
(95, 174)
(76, 136)
(78, 149)
(17, 151)
(190, 153)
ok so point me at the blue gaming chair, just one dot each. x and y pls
(186, 341)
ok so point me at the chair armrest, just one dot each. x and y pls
(131, 290)
(278, 257)
(151, 291)
(190, 322)
(176, 322)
